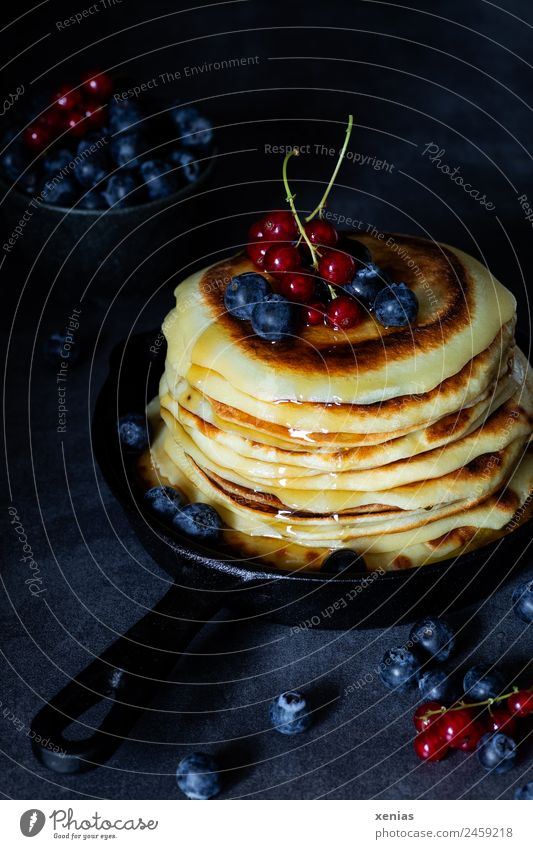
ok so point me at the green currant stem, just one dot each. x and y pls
(290, 201)
(321, 205)
(461, 705)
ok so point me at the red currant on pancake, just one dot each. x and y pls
(257, 247)
(521, 703)
(98, 85)
(314, 313)
(280, 226)
(336, 267)
(320, 232)
(298, 287)
(430, 746)
(420, 718)
(279, 259)
(343, 312)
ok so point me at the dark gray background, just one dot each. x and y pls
(453, 73)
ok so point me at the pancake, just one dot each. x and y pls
(407, 445)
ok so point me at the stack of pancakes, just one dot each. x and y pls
(407, 445)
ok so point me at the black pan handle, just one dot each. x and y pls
(122, 675)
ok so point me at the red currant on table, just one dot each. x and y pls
(468, 740)
(455, 725)
(501, 720)
(280, 226)
(314, 313)
(37, 136)
(320, 232)
(76, 124)
(521, 703)
(336, 267)
(66, 98)
(343, 312)
(298, 287)
(421, 720)
(98, 85)
(430, 746)
(279, 259)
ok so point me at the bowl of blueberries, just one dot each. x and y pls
(99, 183)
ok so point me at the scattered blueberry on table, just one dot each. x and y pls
(437, 685)
(523, 601)
(496, 752)
(399, 668)
(481, 683)
(525, 792)
(133, 433)
(434, 637)
(289, 713)
(198, 776)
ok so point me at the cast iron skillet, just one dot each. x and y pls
(128, 672)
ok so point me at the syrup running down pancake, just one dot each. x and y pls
(405, 444)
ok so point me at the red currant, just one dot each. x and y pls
(501, 720)
(37, 136)
(336, 267)
(521, 703)
(343, 312)
(320, 232)
(255, 250)
(454, 725)
(76, 124)
(422, 721)
(67, 98)
(94, 115)
(279, 259)
(314, 313)
(280, 226)
(430, 746)
(98, 85)
(298, 287)
(468, 740)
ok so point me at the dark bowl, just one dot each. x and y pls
(296, 597)
(108, 246)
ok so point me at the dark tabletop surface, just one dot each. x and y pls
(452, 74)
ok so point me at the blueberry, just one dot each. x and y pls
(122, 115)
(274, 318)
(57, 160)
(198, 776)
(398, 669)
(55, 352)
(189, 167)
(396, 305)
(195, 129)
(525, 792)
(30, 182)
(435, 636)
(355, 248)
(91, 162)
(132, 432)
(200, 521)
(523, 601)
(496, 752)
(367, 283)
(122, 190)
(289, 713)
(481, 683)
(436, 685)
(161, 180)
(343, 560)
(243, 292)
(60, 191)
(93, 199)
(127, 148)
(14, 161)
(163, 501)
